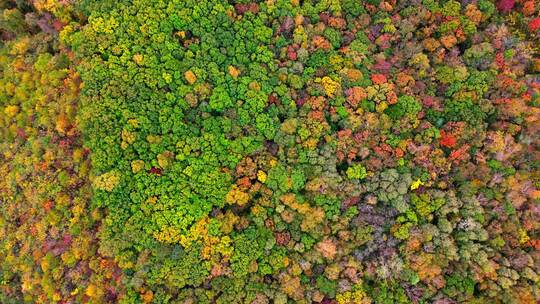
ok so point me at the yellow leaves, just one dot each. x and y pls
(289, 126)
(311, 220)
(11, 111)
(416, 184)
(330, 86)
(45, 265)
(523, 237)
(107, 181)
(497, 141)
(312, 216)
(164, 159)
(138, 58)
(127, 138)
(77, 210)
(234, 72)
(255, 86)
(153, 139)
(133, 122)
(198, 233)
(420, 59)
(137, 166)
(100, 25)
(169, 235)
(353, 297)
(261, 176)
(93, 291)
(151, 200)
(10, 88)
(228, 221)
(21, 46)
(311, 143)
(190, 77)
(167, 77)
(236, 196)
(181, 34)
(381, 107)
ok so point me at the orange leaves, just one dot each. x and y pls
(431, 44)
(292, 287)
(190, 77)
(425, 265)
(327, 248)
(447, 139)
(338, 23)
(473, 13)
(378, 78)
(234, 72)
(321, 43)
(391, 97)
(355, 95)
(404, 80)
(147, 296)
(353, 74)
(448, 41)
(460, 154)
(521, 189)
(62, 123)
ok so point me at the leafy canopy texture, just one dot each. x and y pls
(276, 151)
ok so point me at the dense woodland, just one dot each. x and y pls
(276, 151)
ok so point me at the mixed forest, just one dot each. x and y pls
(270, 151)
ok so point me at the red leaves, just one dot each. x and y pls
(447, 139)
(273, 100)
(499, 60)
(282, 238)
(349, 202)
(505, 6)
(156, 171)
(460, 153)
(291, 53)
(244, 8)
(287, 25)
(534, 24)
(21, 133)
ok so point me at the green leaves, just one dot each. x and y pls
(220, 100)
(356, 171)
(406, 106)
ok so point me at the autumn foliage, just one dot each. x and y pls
(279, 151)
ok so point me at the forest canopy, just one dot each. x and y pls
(269, 151)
